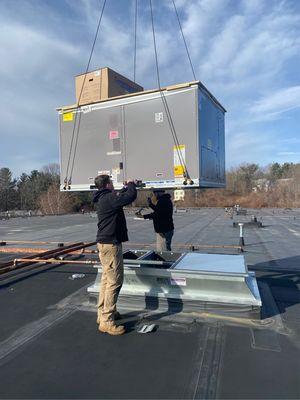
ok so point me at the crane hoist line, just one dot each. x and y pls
(68, 178)
(78, 115)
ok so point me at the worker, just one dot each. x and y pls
(162, 217)
(112, 231)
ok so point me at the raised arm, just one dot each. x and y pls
(126, 197)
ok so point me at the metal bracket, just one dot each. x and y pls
(146, 328)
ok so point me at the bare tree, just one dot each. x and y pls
(51, 169)
(54, 202)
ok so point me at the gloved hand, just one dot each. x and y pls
(139, 215)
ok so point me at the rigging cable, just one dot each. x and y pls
(184, 41)
(135, 33)
(68, 180)
(165, 104)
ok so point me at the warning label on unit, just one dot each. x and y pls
(113, 135)
(68, 117)
(159, 117)
(115, 174)
(105, 172)
(179, 160)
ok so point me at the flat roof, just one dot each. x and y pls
(50, 346)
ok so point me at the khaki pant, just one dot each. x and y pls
(111, 258)
(163, 241)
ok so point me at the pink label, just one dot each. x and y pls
(113, 135)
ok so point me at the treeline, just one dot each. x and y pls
(277, 185)
(252, 186)
(39, 191)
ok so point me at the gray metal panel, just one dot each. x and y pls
(96, 150)
(149, 141)
(146, 145)
(211, 143)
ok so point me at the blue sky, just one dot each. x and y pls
(247, 52)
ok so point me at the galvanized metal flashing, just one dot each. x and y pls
(193, 277)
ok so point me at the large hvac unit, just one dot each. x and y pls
(157, 137)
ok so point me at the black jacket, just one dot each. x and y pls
(163, 214)
(111, 219)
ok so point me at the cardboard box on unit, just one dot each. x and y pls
(102, 84)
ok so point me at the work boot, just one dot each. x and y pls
(117, 316)
(111, 328)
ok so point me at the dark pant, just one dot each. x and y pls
(163, 241)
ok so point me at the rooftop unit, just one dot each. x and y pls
(130, 137)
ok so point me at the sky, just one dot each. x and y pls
(246, 52)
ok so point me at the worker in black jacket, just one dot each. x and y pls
(162, 217)
(112, 231)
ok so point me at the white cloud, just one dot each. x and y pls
(28, 50)
(252, 7)
(289, 153)
(246, 52)
(277, 102)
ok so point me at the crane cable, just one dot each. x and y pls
(165, 104)
(68, 179)
(184, 41)
(135, 34)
